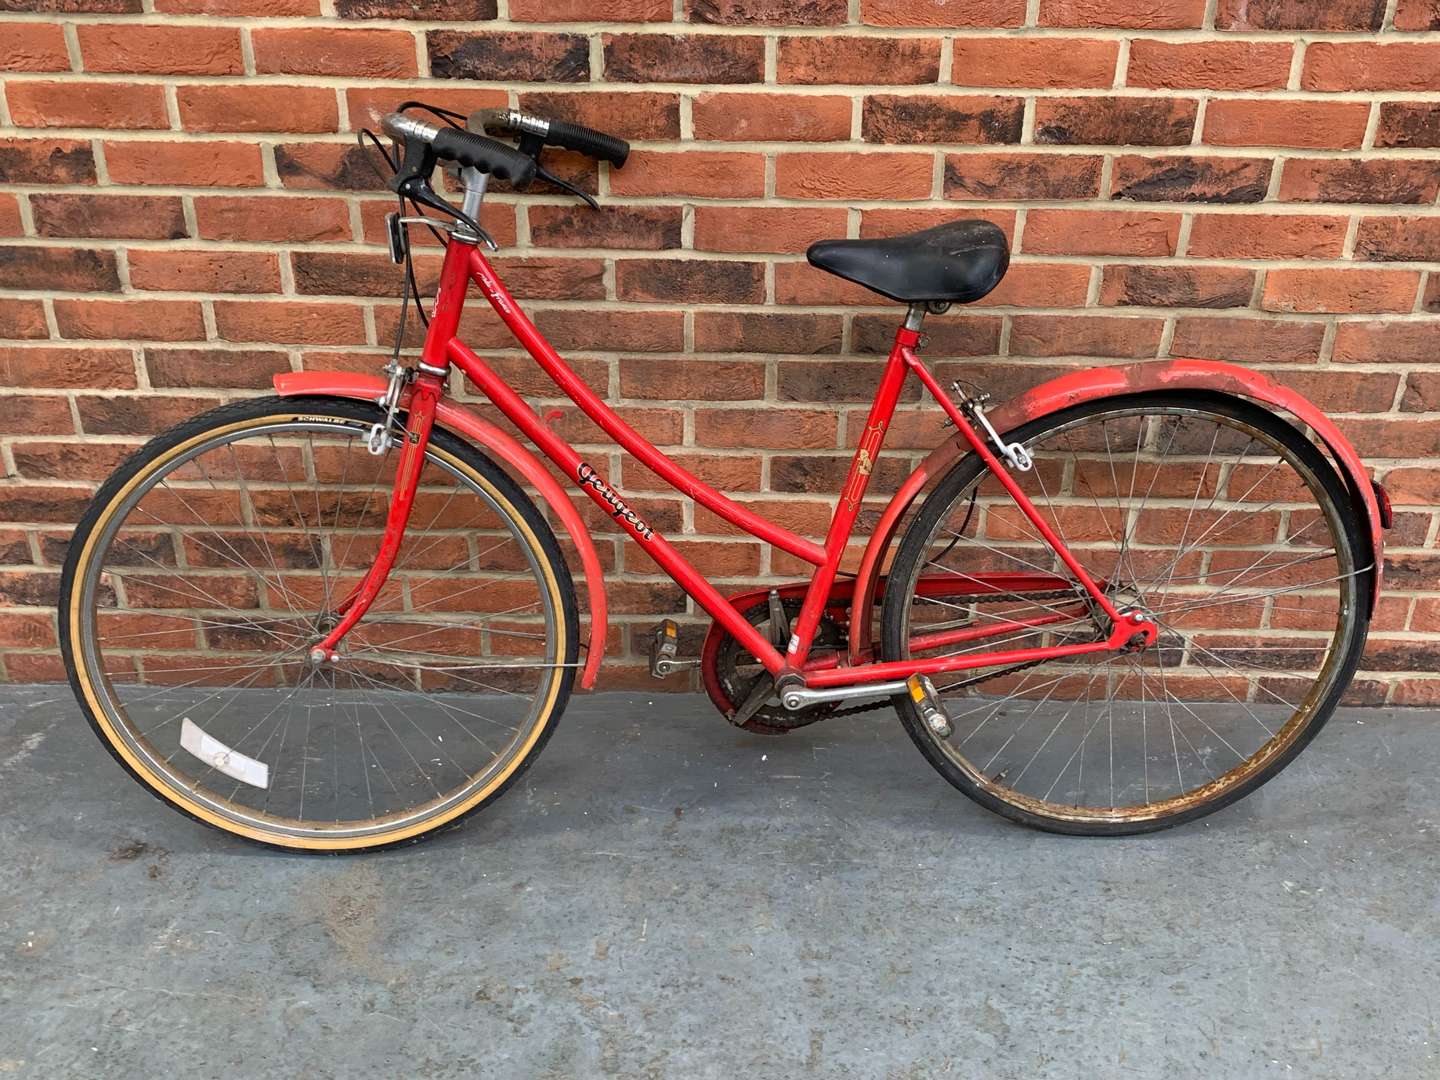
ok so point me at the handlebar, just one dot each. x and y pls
(452, 144)
(560, 133)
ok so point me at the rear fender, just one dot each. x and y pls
(1081, 386)
(505, 448)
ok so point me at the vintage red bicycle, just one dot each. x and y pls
(341, 617)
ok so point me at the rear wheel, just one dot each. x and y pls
(1217, 519)
(210, 562)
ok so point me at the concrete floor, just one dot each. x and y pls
(664, 896)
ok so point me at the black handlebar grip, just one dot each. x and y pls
(560, 133)
(501, 161)
(589, 141)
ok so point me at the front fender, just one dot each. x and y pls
(504, 447)
(1087, 385)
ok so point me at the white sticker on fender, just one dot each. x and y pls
(219, 756)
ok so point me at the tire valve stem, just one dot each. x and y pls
(927, 701)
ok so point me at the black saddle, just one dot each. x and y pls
(957, 262)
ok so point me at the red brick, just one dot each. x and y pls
(1387, 342)
(205, 271)
(1115, 121)
(773, 429)
(1353, 65)
(1409, 123)
(755, 12)
(1021, 176)
(947, 118)
(1344, 291)
(1248, 340)
(217, 107)
(1084, 335)
(47, 161)
(1047, 63)
(351, 53)
(27, 631)
(1414, 487)
(1325, 125)
(802, 284)
(863, 61)
(942, 12)
(683, 379)
(139, 217)
(767, 332)
(717, 174)
(641, 331)
(188, 164)
(590, 10)
(68, 368)
(133, 49)
(1091, 232)
(32, 414)
(690, 281)
(289, 322)
(1153, 15)
(1299, 15)
(1267, 236)
(58, 269)
(203, 368)
(22, 320)
(552, 278)
(766, 228)
(1190, 179)
(1398, 239)
(10, 223)
(498, 219)
(771, 117)
(508, 54)
(853, 176)
(143, 320)
(707, 58)
(93, 105)
(882, 221)
(271, 218)
(1041, 285)
(1177, 286)
(1422, 394)
(1210, 65)
(33, 47)
(631, 114)
(1347, 180)
(1417, 15)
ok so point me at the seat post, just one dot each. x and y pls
(915, 317)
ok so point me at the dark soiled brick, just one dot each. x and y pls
(328, 166)
(46, 161)
(63, 269)
(1177, 286)
(1190, 179)
(768, 12)
(429, 10)
(1409, 123)
(508, 54)
(1021, 176)
(950, 118)
(140, 217)
(1115, 121)
(697, 281)
(635, 227)
(700, 58)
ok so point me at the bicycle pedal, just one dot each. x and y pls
(932, 712)
(664, 645)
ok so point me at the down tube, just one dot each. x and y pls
(594, 485)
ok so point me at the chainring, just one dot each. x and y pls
(737, 670)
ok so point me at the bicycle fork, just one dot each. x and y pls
(424, 395)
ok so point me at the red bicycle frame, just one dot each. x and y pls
(464, 263)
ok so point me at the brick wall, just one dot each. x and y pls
(185, 213)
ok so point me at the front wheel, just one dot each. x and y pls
(212, 561)
(1215, 518)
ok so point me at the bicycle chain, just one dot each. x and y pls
(1054, 594)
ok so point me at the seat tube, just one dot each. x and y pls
(862, 464)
